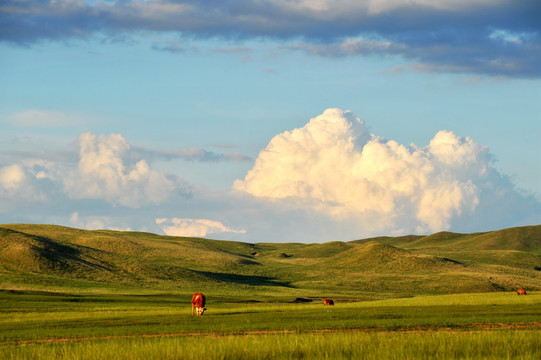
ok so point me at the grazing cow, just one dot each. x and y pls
(328, 302)
(521, 292)
(198, 303)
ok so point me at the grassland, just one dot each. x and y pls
(46, 257)
(44, 325)
(75, 294)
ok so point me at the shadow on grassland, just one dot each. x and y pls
(244, 279)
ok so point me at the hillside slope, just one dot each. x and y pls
(526, 238)
(49, 257)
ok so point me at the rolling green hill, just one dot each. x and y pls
(55, 257)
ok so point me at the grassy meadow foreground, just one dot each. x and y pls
(75, 294)
(38, 325)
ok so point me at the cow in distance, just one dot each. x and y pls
(328, 302)
(198, 304)
(521, 292)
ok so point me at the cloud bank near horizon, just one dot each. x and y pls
(331, 179)
(495, 38)
(111, 174)
(194, 227)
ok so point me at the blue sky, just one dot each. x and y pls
(271, 120)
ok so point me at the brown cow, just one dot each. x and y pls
(521, 292)
(328, 302)
(198, 303)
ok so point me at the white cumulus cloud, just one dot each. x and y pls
(194, 227)
(106, 172)
(334, 164)
(12, 177)
(20, 184)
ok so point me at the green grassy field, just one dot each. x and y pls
(38, 325)
(73, 294)
(340, 345)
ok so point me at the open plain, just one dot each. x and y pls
(75, 294)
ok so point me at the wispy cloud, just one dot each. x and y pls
(495, 38)
(97, 222)
(172, 46)
(476, 53)
(194, 227)
(232, 50)
(192, 154)
(349, 46)
(39, 118)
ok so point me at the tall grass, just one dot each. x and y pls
(335, 345)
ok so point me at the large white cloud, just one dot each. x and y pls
(105, 172)
(334, 164)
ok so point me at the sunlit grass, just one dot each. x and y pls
(55, 258)
(506, 298)
(34, 318)
(337, 345)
